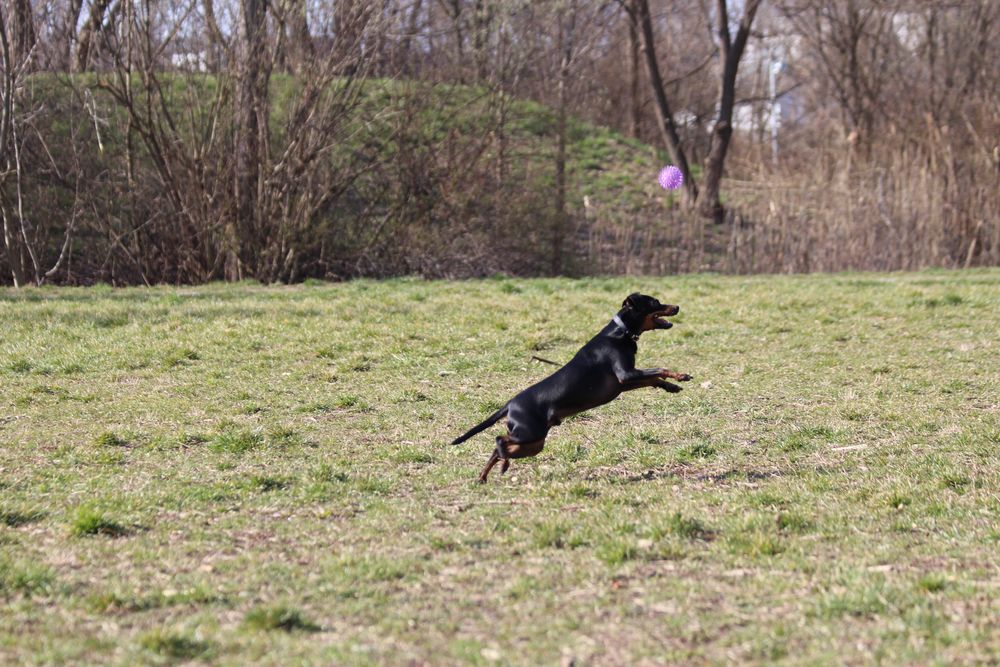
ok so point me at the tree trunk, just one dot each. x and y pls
(635, 108)
(67, 34)
(455, 14)
(23, 29)
(93, 24)
(251, 121)
(560, 220)
(280, 59)
(293, 50)
(349, 20)
(482, 17)
(216, 42)
(7, 167)
(303, 51)
(709, 204)
(664, 117)
(406, 66)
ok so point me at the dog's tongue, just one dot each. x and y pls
(662, 323)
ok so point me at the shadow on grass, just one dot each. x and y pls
(279, 618)
(14, 518)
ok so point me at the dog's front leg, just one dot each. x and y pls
(635, 375)
(636, 378)
(654, 382)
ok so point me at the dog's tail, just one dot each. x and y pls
(490, 421)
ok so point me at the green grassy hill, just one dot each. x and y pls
(238, 474)
(440, 109)
(417, 179)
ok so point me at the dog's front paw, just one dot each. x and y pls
(683, 377)
(671, 387)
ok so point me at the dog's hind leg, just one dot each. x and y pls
(508, 448)
(503, 453)
(526, 437)
(499, 454)
(494, 458)
(511, 450)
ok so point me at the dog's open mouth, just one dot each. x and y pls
(658, 320)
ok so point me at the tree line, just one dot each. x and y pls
(182, 141)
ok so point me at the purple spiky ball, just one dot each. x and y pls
(671, 178)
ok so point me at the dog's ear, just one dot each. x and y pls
(630, 300)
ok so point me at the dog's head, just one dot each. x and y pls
(642, 312)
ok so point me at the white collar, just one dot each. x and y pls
(621, 325)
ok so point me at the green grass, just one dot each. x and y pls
(23, 579)
(91, 521)
(243, 474)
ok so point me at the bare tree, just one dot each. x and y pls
(8, 161)
(216, 43)
(483, 14)
(298, 26)
(242, 193)
(851, 46)
(566, 29)
(95, 20)
(405, 63)
(251, 117)
(731, 50)
(65, 37)
(635, 106)
(453, 9)
(639, 11)
(23, 29)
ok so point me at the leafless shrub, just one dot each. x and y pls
(145, 142)
(23, 236)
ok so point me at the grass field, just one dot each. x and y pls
(241, 474)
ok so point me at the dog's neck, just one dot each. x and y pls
(634, 335)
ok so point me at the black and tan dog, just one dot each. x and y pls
(597, 374)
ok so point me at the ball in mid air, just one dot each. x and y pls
(671, 178)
